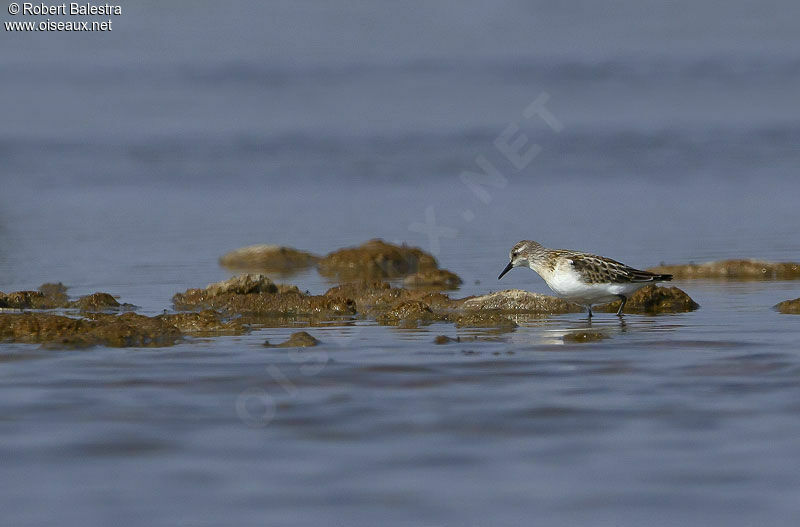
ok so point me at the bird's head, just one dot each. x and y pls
(522, 254)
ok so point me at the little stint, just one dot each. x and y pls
(582, 278)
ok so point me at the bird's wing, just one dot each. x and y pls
(599, 269)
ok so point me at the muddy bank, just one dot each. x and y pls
(651, 300)
(409, 313)
(433, 279)
(498, 320)
(375, 298)
(654, 300)
(376, 259)
(444, 339)
(99, 302)
(48, 296)
(56, 293)
(582, 336)
(789, 307)
(397, 306)
(231, 306)
(497, 310)
(99, 323)
(119, 331)
(301, 339)
(496, 307)
(61, 331)
(373, 260)
(54, 296)
(407, 307)
(519, 301)
(733, 270)
(269, 258)
(256, 294)
(205, 323)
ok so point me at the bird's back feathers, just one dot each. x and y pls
(595, 269)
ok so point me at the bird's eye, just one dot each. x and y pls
(514, 255)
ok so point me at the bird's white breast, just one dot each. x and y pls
(567, 283)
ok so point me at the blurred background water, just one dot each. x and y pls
(131, 160)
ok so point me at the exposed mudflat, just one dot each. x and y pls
(789, 306)
(269, 258)
(253, 300)
(733, 270)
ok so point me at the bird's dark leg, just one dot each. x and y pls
(590, 311)
(622, 305)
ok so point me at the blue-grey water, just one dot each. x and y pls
(131, 160)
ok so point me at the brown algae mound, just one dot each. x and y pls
(409, 307)
(789, 307)
(57, 293)
(519, 301)
(365, 293)
(653, 300)
(435, 279)
(54, 296)
(585, 336)
(407, 314)
(242, 284)
(444, 339)
(255, 294)
(374, 298)
(733, 270)
(270, 258)
(483, 319)
(34, 300)
(126, 330)
(204, 323)
(26, 300)
(375, 259)
(301, 339)
(39, 327)
(650, 300)
(96, 302)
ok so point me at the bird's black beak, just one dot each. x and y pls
(509, 267)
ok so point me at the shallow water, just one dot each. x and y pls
(167, 147)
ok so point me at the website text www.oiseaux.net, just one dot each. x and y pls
(50, 25)
(72, 9)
